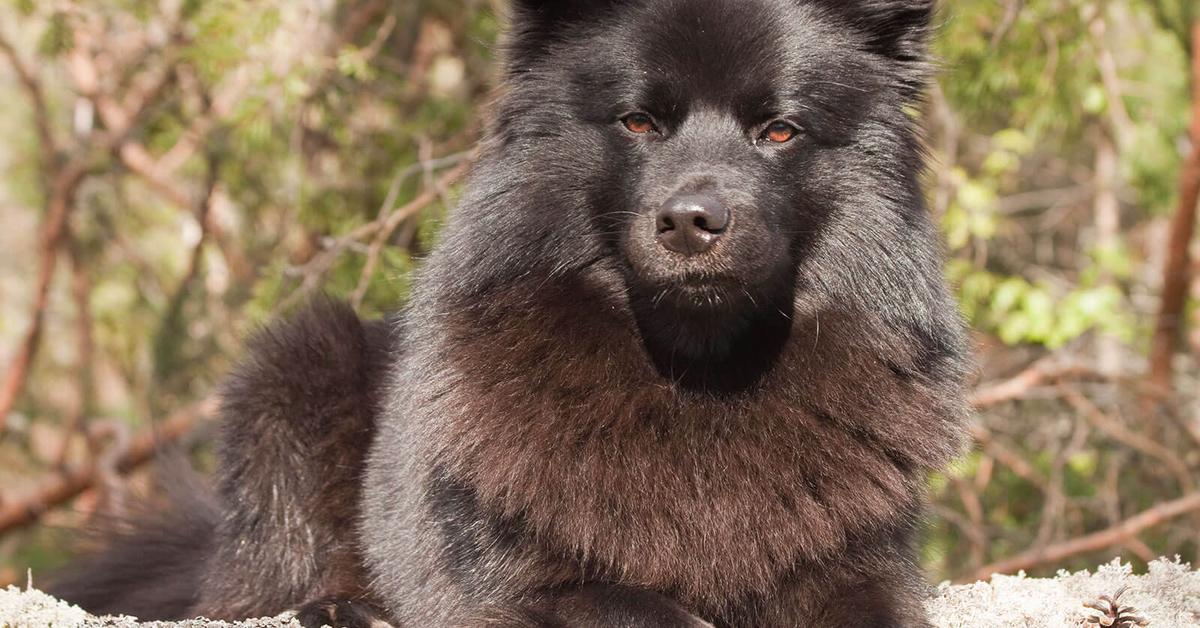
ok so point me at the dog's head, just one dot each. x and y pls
(733, 159)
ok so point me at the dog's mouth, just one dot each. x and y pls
(711, 332)
(703, 269)
(709, 293)
(699, 291)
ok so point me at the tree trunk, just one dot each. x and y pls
(1178, 264)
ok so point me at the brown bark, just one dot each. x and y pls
(1178, 265)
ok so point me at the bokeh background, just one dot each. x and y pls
(175, 172)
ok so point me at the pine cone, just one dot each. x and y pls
(1113, 614)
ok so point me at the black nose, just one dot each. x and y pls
(691, 225)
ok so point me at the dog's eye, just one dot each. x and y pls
(779, 132)
(639, 123)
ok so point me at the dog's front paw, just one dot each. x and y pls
(341, 613)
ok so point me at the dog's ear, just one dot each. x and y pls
(898, 29)
(536, 24)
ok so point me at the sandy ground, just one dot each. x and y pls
(1168, 596)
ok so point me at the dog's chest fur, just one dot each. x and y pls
(549, 411)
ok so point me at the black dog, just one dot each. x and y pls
(683, 356)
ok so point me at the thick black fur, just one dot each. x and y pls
(574, 426)
(149, 563)
(297, 417)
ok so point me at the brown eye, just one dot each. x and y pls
(780, 132)
(639, 123)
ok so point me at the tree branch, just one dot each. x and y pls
(1048, 370)
(1115, 430)
(70, 484)
(59, 205)
(81, 292)
(41, 109)
(315, 269)
(1114, 535)
(121, 122)
(1177, 268)
(392, 219)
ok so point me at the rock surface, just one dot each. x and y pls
(1168, 596)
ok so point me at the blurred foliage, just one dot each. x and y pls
(1028, 86)
(287, 127)
(1051, 252)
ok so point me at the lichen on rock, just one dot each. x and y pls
(1168, 595)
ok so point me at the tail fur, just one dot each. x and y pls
(297, 418)
(150, 560)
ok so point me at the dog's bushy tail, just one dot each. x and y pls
(278, 527)
(148, 562)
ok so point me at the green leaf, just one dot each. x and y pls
(56, 39)
(1094, 100)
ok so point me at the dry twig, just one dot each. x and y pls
(37, 98)
(81, 293)
(393, 218)
(1047, 370)
(1117, 431)
(313, 271)
(64, 486)
(58, 207)
(1108, 537)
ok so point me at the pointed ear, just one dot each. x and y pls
(898, 29)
